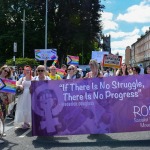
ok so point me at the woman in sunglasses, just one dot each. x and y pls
(23, 109)
(136, 70)
(71, 73)
(95, 71)
(5, 72)
(41, 73)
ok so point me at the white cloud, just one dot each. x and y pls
(137, 13)
(124, 42)
(145, 28)
(108, 23)
(124, 39)
(121, 34)
(119, 39)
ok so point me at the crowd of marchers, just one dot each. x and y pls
(24, 76)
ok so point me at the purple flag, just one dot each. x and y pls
(91, 106)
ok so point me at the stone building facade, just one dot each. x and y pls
(128, 55)
(140, 50)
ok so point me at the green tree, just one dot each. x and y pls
(21, 62)
(73, 26)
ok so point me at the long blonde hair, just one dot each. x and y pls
(3, 68)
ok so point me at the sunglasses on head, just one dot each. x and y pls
(6, 71)
(40, 71)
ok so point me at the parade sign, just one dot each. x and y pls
(91, 106)
(111, 60)
(98, 56)
(7, 86)
(45, 54)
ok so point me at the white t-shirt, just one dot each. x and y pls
(37, 78)
(107, 74)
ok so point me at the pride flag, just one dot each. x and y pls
(7, 86)
(54, 62)
(72, 60)
(60, 72)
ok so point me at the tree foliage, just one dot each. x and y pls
(73, 27)
(21, 62)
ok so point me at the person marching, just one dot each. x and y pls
(5, 98)
(95, 71)
(23, 109)
(53, 74)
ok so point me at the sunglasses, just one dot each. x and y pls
(70, 69)
(6, 71)
(40, 71)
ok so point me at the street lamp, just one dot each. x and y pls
(23, 38)
(46, 24)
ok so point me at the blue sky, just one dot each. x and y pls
(125, 21)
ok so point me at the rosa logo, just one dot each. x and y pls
(142, 111)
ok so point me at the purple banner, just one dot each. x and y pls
(91, 106)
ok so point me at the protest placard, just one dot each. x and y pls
(45, 54)
(112, 61)
(98, 55)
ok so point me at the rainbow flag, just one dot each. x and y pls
(72, 60)
(9, 86)
(54, 62)
(60, 72)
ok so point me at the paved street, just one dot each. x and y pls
(18, 139)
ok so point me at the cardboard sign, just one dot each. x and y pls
(98, 56)
(45, 54)
(112, 61)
